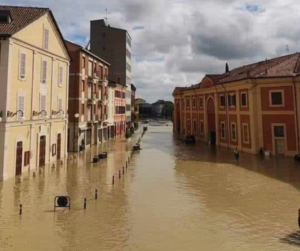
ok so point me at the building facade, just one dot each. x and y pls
(120, 110)
(88, 99)
(253, 108)
(114, 46)
(34, 70)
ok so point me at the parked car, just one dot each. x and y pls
(190, 139)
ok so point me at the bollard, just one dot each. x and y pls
(123, 170)
(84, 205)
(113, 179)
(21, 209)
(96, 194)
(119, 174)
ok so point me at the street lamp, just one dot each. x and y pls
(43, 112)
(76, 115)
(12, 114)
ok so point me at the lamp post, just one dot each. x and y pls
(12, 114)
(43, 112)
(76, 115)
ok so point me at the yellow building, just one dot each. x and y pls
(34, 70)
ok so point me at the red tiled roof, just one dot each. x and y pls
(285, 66)
(21, 17)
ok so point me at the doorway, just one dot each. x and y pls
(19, 158)
(212, 138)
(42, 160)
(279, 147)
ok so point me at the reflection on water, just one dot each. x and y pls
(172, 197)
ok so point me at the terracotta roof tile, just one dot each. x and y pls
(21, 17)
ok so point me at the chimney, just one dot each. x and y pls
(226, 68)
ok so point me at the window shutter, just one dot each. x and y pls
(60, 104)
(61, 72)
(46, 39)
(44, 71)
(43, 105)
(21, 103)
(22, 65)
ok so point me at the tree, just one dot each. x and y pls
(168, 110)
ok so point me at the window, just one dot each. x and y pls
(195, 126)
(277, 98)
(21, 106)
(128, 40)
(22, 66)
(90, 68)
(101, 72)
(44, 72)
(82, 109)
(201, 127)
(194, 102)
(233, 131)
(53, 149)
(222, 100)
(128, 54)
(201, 102)
(223, 131)
(188, 103)
(59, 104)
(231, 100)
(26, 158)
(46, 39)
(83, 85)
(279, 131)
(42, 105)
(128, 67)
(245, 133)
(61, 76)
(244, 99)
(83, 62)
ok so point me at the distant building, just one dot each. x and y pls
(145, 110)
(114, 46)
(88, 98)
(34, 90)
(254, 108)
(157, 109)
(120, 109)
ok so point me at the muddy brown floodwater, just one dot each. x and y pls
(172, 197)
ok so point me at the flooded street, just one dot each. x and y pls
(172, 197)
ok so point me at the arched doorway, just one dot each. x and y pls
(211, 120)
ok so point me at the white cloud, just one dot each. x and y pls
(182, 40)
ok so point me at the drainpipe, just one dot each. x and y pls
(296, 109)
(227, 115)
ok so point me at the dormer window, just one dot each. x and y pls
(5, 16)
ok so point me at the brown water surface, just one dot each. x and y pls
(172, 197)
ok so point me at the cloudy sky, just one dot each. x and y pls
(176, 42)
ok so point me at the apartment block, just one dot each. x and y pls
(114, 46)
(88, 99)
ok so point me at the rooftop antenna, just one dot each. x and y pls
(106, 16)
(287, 47)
